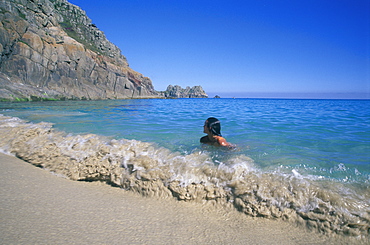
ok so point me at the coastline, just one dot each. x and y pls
(40, 208)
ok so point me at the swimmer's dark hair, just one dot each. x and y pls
(214, 126)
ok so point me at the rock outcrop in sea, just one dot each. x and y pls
(50, 49)
(179, 92)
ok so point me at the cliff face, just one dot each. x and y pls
(51, 50)
(179, 92)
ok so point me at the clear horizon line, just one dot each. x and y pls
(292, 95)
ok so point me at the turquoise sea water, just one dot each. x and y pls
(305, 161)
(318, 138)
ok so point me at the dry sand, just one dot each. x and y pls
(37, 207)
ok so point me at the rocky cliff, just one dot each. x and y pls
(179, 92)
(50, 49)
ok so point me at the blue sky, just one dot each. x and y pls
(259, 48)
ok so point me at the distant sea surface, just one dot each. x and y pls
(348, 95)
(323, 141)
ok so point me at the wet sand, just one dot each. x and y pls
(37, 207)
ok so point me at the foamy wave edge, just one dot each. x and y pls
(155, 171)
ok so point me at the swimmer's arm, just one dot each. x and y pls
(223, 142)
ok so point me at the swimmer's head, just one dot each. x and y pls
(213, 125)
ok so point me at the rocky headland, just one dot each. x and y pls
(50, 50)
(179, 92)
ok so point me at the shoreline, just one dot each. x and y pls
(39, 207)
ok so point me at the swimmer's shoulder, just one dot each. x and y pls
(222, 141)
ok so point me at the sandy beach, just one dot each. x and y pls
(38, 207)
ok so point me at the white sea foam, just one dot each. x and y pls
(233, 181)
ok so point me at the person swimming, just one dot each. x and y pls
(212, 127)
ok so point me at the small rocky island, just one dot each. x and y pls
(50, 50)
(179, 92)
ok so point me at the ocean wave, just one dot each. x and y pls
(234, 182)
